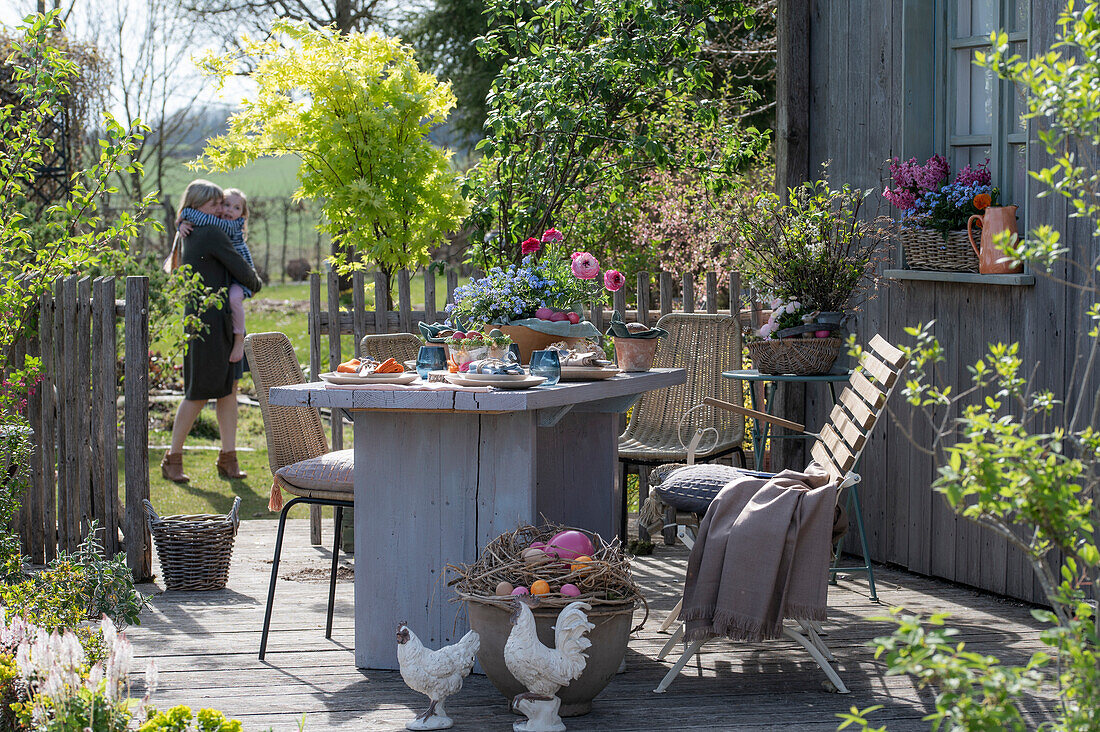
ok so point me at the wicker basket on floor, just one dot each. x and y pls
(194, 549)
(798, 356)
(928, 249)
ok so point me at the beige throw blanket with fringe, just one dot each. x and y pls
(762, 555)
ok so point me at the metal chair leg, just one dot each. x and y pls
(338, 522)
(691, 650)
(274, 575)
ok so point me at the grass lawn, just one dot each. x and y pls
(207, 492)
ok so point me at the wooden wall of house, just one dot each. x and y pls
(857, 115)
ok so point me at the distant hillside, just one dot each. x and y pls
(273, 177)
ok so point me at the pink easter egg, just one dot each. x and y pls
(537, 545)
(520, 591)
(822, 333)
(569, 545)
(570, 590)
(544, 313)
(557, 317)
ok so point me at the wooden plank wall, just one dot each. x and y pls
(75, 419)
(857, 118)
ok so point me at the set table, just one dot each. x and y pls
(439, 474)
(762, 432)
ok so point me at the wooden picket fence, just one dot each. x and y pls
(73, 413)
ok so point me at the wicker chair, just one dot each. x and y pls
(401, 347)
(298, 454)
(705, 345)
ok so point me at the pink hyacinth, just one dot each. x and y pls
(585, 266)
(530, 246)
(552, 234)
(613, 280)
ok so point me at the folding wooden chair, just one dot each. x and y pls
(837, 448)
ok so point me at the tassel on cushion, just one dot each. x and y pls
(275, 500)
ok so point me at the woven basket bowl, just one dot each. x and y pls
(927, 249)
(194, 549)
(798, 356)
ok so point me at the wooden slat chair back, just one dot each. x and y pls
(401, 347)
(841, 441)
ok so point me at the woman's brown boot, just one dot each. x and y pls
(171, 467)
(228, 467)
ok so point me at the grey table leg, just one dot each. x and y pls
(430, 489)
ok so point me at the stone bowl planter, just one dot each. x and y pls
(609, 638)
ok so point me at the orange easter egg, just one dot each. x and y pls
(581, 564)
(540, 587)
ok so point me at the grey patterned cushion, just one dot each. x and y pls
(692, 487)
(330, 472)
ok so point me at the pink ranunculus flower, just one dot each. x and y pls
(552, 234)
(574, 255)
(585, 266)
(613, 280)
(530, 246)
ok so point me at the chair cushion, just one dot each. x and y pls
(692, 487)
(329, 473)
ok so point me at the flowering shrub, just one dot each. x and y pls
(549, 280)
(785, 314)
(49, 683)
(925, 197)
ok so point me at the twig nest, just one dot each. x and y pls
(521, 559)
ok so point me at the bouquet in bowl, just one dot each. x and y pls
(547, 287)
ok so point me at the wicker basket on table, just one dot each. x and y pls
(194, 549)
(797, 356)
(930, 250)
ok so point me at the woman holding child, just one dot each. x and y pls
(212, 364)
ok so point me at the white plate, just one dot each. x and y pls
(334, 378)
(493, 378)
(527, 383)
(587, 373)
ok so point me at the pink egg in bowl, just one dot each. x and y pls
(570, 544)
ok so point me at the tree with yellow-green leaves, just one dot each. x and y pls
(356, 109)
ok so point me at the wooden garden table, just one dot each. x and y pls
(439, 474)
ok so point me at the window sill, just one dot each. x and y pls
(1018, 280)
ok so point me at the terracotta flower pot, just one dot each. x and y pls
(609, 639)
(531, 340)
(635, 354)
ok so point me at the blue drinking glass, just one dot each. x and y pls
(430, 358)
(513, 348)
(547, 364)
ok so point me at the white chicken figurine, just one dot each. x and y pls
(544, 670)
(436, 674)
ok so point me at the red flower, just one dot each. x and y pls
(982, 201)
(613, 280)
(530, 246)
(552, 234)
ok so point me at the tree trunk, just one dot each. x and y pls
(343, 16)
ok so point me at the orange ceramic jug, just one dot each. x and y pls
(991, 260)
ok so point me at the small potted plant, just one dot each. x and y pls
(793, 341)
(935, 212)
(541, 300)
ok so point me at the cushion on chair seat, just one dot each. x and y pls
(327, 476)
(692, 487)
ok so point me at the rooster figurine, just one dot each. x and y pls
(544, 670)
(436, 674)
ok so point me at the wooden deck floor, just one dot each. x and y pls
(206, 644)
